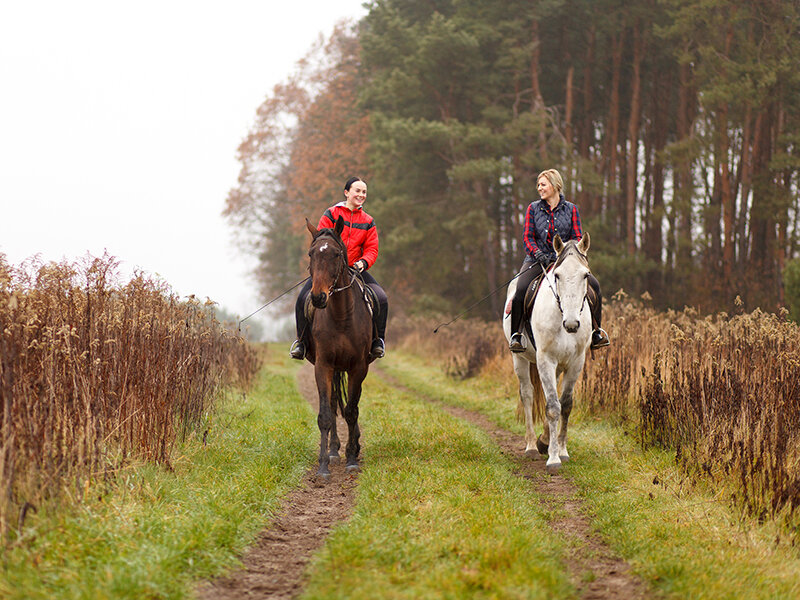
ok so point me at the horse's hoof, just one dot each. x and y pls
(531, 453)
(333, 459)
(352, 468)
(553, 469)
(541, 446)
(563, 458)
(323, 477)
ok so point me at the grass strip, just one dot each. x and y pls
(439, 514)
(156, 531)
(677, 535)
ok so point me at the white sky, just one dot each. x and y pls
(119, 123)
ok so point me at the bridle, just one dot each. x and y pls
(546, 274)
(343, 265)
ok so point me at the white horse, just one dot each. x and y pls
(562, 325)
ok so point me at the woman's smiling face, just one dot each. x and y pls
(545, 188)
(356, 195)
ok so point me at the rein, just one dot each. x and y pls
(341, 289)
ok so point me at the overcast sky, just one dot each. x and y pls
(119, 123)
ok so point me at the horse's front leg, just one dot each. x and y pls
(547, 374)
(354, 380)
(567, 385)
(335, 444)
(522, 367)
(325, 421)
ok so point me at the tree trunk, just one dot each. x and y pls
(613, 115)
(633, 138)
(569, 109)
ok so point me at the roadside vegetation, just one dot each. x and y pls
(95, 374)
(720, 392)
(681, 535)
(153, 531)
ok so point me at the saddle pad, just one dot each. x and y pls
(530, 296)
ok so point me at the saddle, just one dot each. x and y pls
(527, 306)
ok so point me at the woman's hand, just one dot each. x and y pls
(360, 265)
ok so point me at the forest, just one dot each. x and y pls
(675, 124)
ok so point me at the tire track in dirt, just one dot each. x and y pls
(594, 569)
(274, 566)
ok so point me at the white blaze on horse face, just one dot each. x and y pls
(323, 247)
(571, 286)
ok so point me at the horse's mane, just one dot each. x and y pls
(329, 232)
(571, 249)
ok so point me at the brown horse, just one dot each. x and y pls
(338, 343)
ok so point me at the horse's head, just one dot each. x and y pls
(328, 256)
(571, 275)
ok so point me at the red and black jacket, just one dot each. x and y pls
(359, 235)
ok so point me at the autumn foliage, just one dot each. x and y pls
(308, 138)
(94, 374)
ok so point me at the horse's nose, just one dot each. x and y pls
(571, 325)
(319, 300)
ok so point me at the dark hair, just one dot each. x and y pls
(350, 182)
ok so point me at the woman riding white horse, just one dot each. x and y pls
(545, 218)
(561, 325)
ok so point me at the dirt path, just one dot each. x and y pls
(594, 570)
(274, 566)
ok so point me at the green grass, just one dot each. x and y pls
(678, 536)
(157, 531)
(439, 512)
(439, 515)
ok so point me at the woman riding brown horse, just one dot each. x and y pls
(339, 341)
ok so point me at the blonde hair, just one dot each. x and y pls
(554, 177)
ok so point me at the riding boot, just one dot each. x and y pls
(599, 335)
(516, 342)
(599, 338)
(378, 349)
(298, 350)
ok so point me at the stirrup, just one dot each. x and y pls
(600, 339)
(298, 350)
(516, 343)
(378, 349)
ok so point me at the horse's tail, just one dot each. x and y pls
(339, 392)
(539, 401)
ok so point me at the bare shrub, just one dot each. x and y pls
(722, 391)
(464, 347)
(94, 373)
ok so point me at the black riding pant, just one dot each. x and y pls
(379, 319)
(529, 271)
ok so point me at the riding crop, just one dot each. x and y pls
(271, 301)
(474, 304)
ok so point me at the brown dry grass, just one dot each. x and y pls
(722, 391)
(94, 374)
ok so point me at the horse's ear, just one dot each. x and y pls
(311, 228)
(339, 226)
(558, 245)
(583, 245)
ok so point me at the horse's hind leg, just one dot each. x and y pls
(522, 368)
